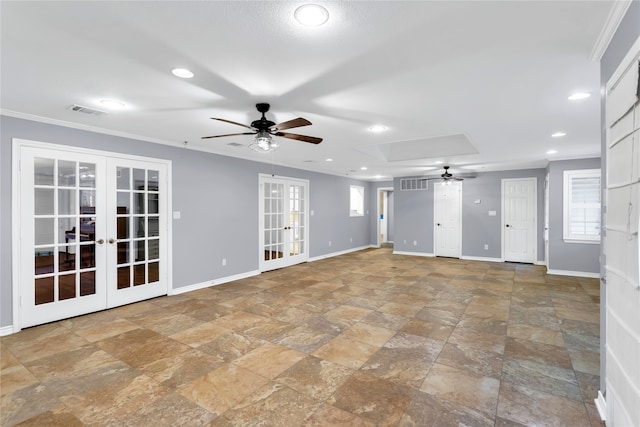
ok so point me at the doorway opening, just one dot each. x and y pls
(385, 217)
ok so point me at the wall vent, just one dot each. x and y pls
(86, 110)
(235, 144)
(413, 184)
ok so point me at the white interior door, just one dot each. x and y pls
(447, 216)
(546, 221)
(80, 229)
(519, 219)
(284, 231)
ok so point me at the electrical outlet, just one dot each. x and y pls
(224, 262)
(351, 239)
(405, 241)
(486, 247)
(329, 242)
(415, 243)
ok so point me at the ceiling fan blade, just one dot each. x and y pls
(229, 134)
(229, 121)
(311, 139)
(295, 123)
(455, 178)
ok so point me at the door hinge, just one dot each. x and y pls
(603, 279)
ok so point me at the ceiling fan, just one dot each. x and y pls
(446, 178)
(265, 129)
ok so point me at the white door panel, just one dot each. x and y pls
(519, 219)
(447, 206)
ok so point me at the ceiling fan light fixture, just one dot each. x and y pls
(377, 128)
(263, 143)
(311, 15)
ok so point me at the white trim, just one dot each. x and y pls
(573, 273)
(360, 190)
(541, 263)
(601, 406)
(346, 251)
(215, 282)
(625, 64)
(79, 126)
(414, 253)
(616, 14)
(481, 258)
(16, 226)
(7, 330)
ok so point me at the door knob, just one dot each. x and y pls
(438, 224)
(101, 241)
(111, 241)
(508, 225)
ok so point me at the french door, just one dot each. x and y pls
(519, 211)
(447, 205)
(92, 232)
(284, 230)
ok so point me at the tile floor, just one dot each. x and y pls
(363, 339)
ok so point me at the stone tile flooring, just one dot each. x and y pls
(363, 339)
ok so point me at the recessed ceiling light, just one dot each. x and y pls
(558, 134)
(378, 176)
(378, 128)
(552, 151)
(112, 103)
(439, 162)
(182, 72)
(364, 168)
(578, 96)
(311, 15)
(328, 160)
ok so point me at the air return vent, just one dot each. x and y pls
(86, 110)
(412, 184)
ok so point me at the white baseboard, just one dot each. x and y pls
(540, 263)
(481, 258)
(208, 283)
(413, 253)
(601, 405)
(347, 251)
(6, 330)
(574, 273)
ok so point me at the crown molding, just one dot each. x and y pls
(617, 12)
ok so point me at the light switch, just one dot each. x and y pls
(492, 213)
(176, 214)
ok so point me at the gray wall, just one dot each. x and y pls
(568, 256)
(209, 229)
(414, 215)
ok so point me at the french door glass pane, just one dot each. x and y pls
(138, 225)
(64, 227)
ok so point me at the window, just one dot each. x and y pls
(581, 215)
(357, 200)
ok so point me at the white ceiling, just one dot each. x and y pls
(478, 85)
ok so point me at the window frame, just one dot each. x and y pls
(568, 205)
(356, 212)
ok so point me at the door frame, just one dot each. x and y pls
(380, 191)
(535, 216)
(305, 183)
(16, 220)
(459, 219)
